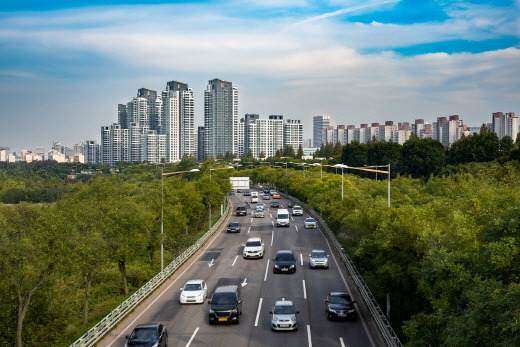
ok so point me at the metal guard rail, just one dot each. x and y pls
(384, 326)
(99, 330)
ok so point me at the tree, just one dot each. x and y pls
(300, 153)
(354, 154)
(32, 250)
(423, 157)
(288, 151)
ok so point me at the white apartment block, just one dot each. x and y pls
(153, 148)
(505, 124)
(293, 133)
(221, 123)
(319, 125)
(263, 136)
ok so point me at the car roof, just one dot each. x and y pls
(147, 326)
(284, 303)
(254, 239)
(317, 250)
(284, 251)
(297, 206)
(339, 293)
(227, 289)
(194, 281)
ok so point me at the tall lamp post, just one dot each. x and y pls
(162, 206)
(366, 168)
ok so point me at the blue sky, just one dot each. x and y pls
(64, 66)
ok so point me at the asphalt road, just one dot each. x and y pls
(220, 262)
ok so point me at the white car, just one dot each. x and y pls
(310, 223)
(297, 211)
(318, 258)
(284, 316)
(254, 248)
(194, 292)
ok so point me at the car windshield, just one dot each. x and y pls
(259, 211)
(144, 334)
(233, 224)
(192, 286)
(310, 220)
(318, 254)
(285, 257)
(340, 299)
(224, 299)
(283, 216)
(284, 309)
(253, 244)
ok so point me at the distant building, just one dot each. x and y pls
(320, 123)
(505, 124)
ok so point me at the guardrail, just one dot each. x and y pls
(384, 326)
(106, 324)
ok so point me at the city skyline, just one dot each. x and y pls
(65, 68)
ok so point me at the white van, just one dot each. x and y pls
(282, 218)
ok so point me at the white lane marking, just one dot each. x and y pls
(248, 229)
(270, 215)
(192, 337)
(292, 218)
(301, 258)
(304, 290)
(350, 292)
(234, 261)
(251, 220)
(272, 222)
(258, 312)
(341, 341)
(266, 270)
(309, 335)
(211, 264)
(272, 238)
(296, 228)
(243, 284)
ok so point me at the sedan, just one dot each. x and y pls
(260, 206)
(339, 305)
(318, 258)
(247, 193)
(234, 227)
(150, 335)
(284, 261)
(284, 316)
(310, 223)
(266, 197)
(297, 211)
(275, 204)
(276, 196)
(291, 204)
(259, 213)
(194, 292)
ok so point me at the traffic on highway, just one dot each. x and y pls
(260, 281)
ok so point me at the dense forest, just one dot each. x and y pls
(68, 263)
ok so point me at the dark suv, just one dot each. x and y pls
(284, 262)
(340, 305)
(225, 305)
(241, 211)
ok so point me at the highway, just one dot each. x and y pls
(220, 262)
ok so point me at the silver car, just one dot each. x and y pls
(260, 205)
(284, 316)
(310, 223)
(254, 248)
(259, 213)
(318, 258)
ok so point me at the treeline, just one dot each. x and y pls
(42, 181)
(423, 157)
(65, 265)
(447, 250)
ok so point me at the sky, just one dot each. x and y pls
(66, 65)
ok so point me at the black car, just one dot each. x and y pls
(149, 335)
(240, 190)
(340, 305)
(232, 192)
(233, 227)
(275, 204)
(266, 190)
(247, 193)
(225, 305)
(284, 261)
(291, 204)
(241, 211)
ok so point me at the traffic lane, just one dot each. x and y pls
(249, 272)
